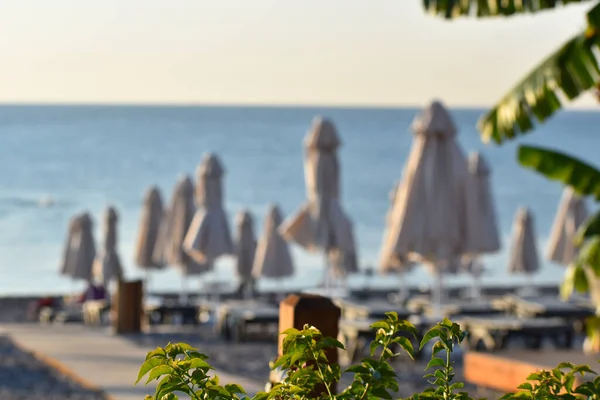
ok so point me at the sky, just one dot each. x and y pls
(325, 52)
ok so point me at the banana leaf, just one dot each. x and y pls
(554, 165)
(491, 8)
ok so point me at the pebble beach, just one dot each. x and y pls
(24, 377)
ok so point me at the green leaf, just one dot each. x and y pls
(580, 281)
(358, 369)
(555, 165)
(570, 71)
(590, 228)
(406, 344)
(431, 334)
(159, 371)
(235, 388)
(381, 393)
(328, 342)
(158, 352)
(489, 8)
(435, 362)
(380, 325)
(147, 366)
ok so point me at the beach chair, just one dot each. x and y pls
(495, 332)
(243, 320)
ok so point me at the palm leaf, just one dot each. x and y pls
(569, 72)
(582, 177)
(491, 8)
(591, 228)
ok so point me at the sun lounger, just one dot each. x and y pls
(575, 311)
(171, 312)
(370, 309)
(495, 332)
(241, 320)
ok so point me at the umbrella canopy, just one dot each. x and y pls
(108, 266)
(152, 215)
(394, 262)
(523, 252)
(174, 227)
(430, 222)
(245, 248)
(273, 259)
(485, 236)
(572, 212)
(208, 236)
(321, 224)
(80, 249)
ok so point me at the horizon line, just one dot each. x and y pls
(568, 107)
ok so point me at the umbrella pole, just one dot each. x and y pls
(183, 297)
(476, 273)
(403, 293)
(327, 280)
(437, 294)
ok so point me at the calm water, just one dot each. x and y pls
(88, 157)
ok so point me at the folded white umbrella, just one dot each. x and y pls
(80, 249)
(572, 212)
(107, 266)
(209, 237)
(321, 224)
(152, 215)
(273, 259)
(431, 221)
(245, 246)
(523, 252)
(485, 237)
(393, 262)
(174, 226)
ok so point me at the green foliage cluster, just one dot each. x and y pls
(182, 371)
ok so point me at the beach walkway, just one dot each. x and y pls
(95, 358)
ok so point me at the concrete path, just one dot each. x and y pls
(96, 358)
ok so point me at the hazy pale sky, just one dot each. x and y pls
(368, 52)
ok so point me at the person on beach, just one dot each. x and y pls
(93, 292)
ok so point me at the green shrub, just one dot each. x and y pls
(182, 370)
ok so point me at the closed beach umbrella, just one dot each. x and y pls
(572, 212)
(273, 259)
(108, 264)
(178, 220)
(152, 215)
(431, 219)
(523, 253)
(395, 262)
(321, 224)
(80, 249)
(245, 247)
(484, 237)
(209, 236)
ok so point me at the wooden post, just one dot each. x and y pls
(127, 306)
(297, 310)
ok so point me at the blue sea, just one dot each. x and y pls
(89, 157)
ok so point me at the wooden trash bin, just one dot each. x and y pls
(128, 307)
(297, 310)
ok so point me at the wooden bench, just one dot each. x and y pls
(507, 369)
